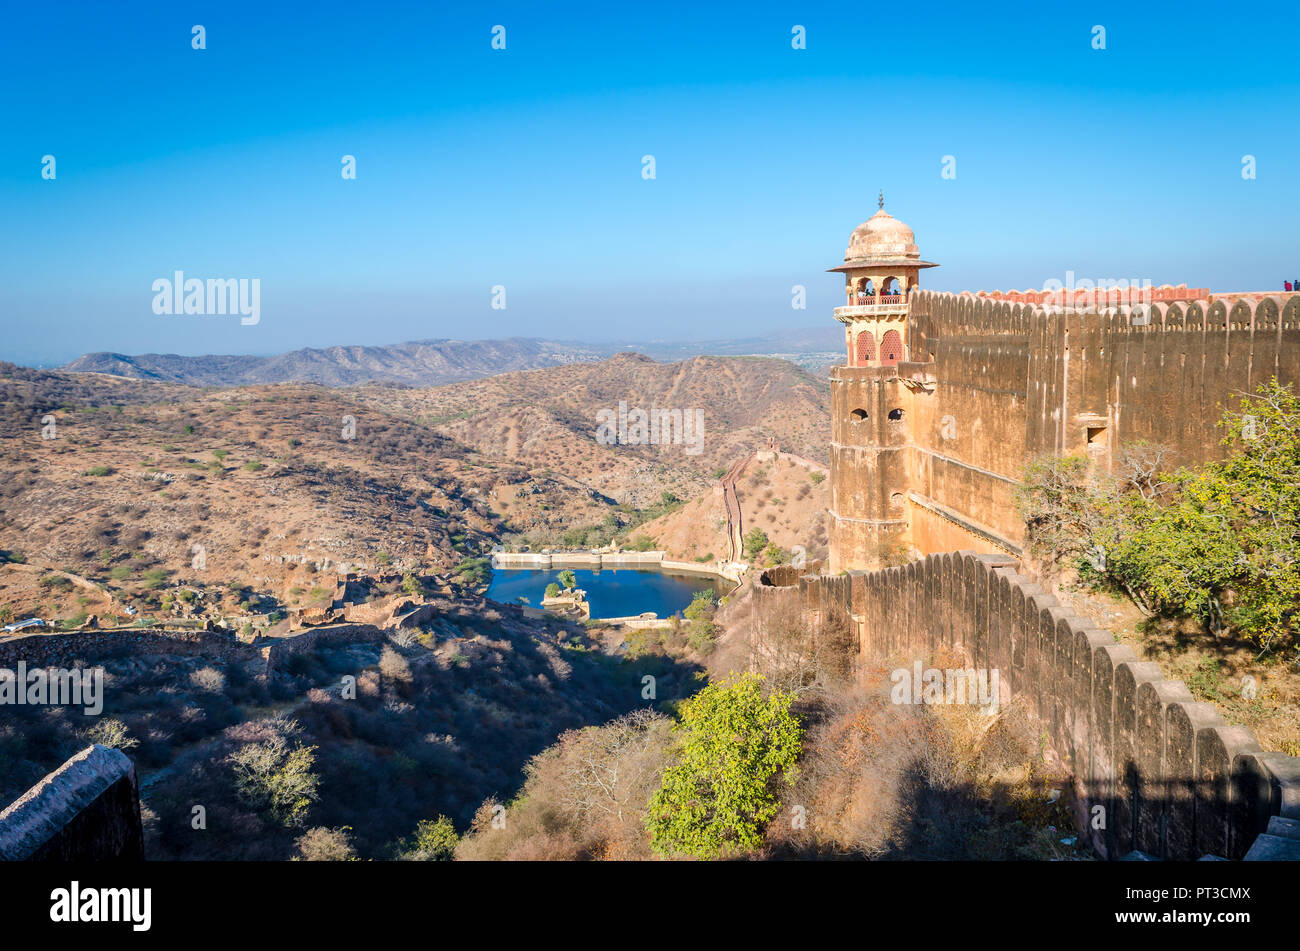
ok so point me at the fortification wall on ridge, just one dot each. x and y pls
(1173, 780)
(65, 649)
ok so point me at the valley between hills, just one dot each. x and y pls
(250, 512)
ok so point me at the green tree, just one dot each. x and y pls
(435, 840)
(473, 571)
(755, 542)
(1226, 546)
(720, 793)
(568, 579)
(552, 589)
(702, 605)
(276, 776)
(1053, 500)
(701, 631)
(1219, 542)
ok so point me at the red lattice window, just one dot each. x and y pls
(866, 347)
(891, 348)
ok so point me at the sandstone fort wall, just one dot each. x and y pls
(987, 384)
(1173, 780)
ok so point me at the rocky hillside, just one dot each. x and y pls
(278, 485)
(548, 419)
(784, 500)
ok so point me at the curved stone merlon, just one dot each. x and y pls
(1170, 778)
(86, 810)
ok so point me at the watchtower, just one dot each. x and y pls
(869, 425)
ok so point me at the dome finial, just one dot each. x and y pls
(880, 202)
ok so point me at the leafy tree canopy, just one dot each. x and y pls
(719, 795)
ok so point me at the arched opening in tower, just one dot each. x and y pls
(866, 347)
(891, 348)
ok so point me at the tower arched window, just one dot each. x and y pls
(866, 347)
(891, 348)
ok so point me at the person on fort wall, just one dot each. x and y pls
(1287, 285)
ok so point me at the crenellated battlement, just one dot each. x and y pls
(1112, 294)
(1170, 777)
(940, 313)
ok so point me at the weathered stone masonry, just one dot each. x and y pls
(926, 454)
(86, 810)
(1175, 781)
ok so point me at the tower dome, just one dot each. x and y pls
(881, 238)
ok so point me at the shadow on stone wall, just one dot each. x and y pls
(1165, 773)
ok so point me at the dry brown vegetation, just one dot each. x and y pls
(881, 780)
(108, 514)
(441, 718)
(781, 497)
(876, 780)
(584, 798)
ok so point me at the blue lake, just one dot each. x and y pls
(612, 592)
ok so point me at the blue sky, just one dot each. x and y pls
(522, 167)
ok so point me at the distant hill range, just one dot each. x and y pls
(436, 362)
(419, 363)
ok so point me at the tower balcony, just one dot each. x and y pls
(879, 306)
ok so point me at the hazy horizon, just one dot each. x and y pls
(609, 343)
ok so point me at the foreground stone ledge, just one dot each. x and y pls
(1285, 828)
(86, 810)
(1273, 848)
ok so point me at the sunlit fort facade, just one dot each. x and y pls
(943, 398)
